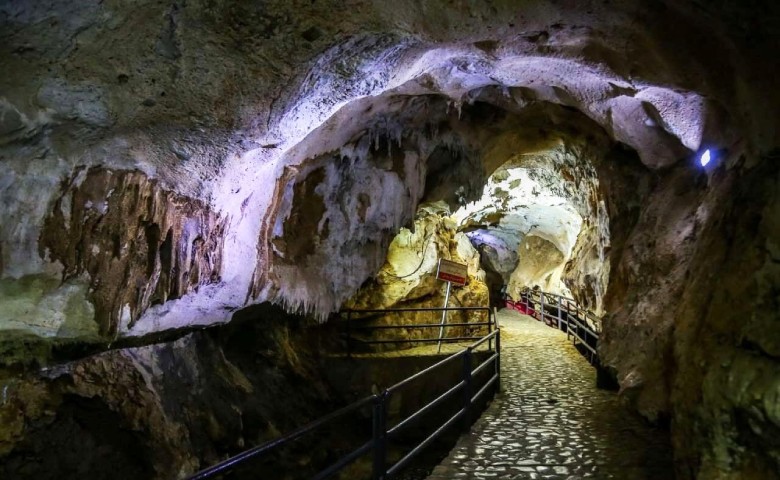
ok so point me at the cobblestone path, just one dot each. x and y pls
(551, 422)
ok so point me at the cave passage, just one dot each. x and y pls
(192, 191)
(550, 420)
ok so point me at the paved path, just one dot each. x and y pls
(551, 422)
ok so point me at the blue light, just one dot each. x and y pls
(705, 158)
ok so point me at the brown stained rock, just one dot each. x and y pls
(726, 407)
(331, 220)
(408, 280)
(538, 258)
(22, 401)
(651, 275)
(116, 379)
(164, 411)
(139, 244)
(95, 416)
(302, 234)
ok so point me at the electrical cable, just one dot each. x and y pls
(422, 260)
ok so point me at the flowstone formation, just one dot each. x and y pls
(138, 244)
(165, 165)
(408, 278)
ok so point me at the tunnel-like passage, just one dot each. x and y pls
(550, 420)
(189, 190)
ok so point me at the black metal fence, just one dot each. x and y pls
(563, 313)
(356, 322)
(467, 390)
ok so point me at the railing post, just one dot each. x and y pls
(527, 301)
(560, 321)
(467, 389)
(490, 330)
(349, 334)
(379, 437)
(498, 361)
(541, 301)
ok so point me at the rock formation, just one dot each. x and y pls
(164, 166)
(408, 278)
(165, 410)
(138, 244)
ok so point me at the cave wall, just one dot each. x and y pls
(166, 410)
(163, 89)
(221, 103)
(139, 244)
(650, 277)
(407, 279)
(540, 263)
(691, 316)
(550, 192)
(337, 216)
(726, 357)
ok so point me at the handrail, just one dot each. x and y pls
(484, 364)
(419, 413)
(230, 463)
(573, 322)
(381, 432)
(578, 308)
(403, 461)
(366, 314)
(421, 373)
(421, 340)
(485, 338)
(420, 325)
(416, 309)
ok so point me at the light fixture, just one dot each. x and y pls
(705, 158)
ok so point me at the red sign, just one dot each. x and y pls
(450, 271)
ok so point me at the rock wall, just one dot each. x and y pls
(225, 103)
(540, 263)
(552, 199)
(138, 244)
(649, 279)
(692, 319)
(335, 220)
(164, 411)
(726, 354)
(408, 278)
(190, 95)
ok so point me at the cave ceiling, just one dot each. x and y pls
(282, 144)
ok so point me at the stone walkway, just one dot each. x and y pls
(551, 422)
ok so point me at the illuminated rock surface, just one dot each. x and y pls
(408, 278)
(165, 165)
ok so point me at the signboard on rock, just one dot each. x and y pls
(454, 272)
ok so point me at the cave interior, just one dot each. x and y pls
(191, 192)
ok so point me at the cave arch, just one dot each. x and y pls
(415, 141)
(213, 108)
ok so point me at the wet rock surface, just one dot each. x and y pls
(551, 422)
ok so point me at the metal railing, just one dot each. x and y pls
(372, 314)
(565, 314)
(469, 392)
